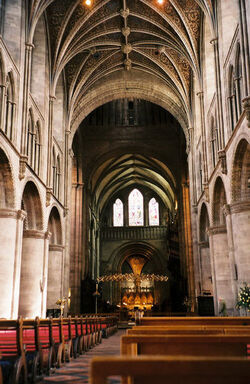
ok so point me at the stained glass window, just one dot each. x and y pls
(153, 209)
(118, 213)
(135, 206)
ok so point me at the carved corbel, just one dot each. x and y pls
(223, 161)
(49, 192)
(22, 166)
(246, 106)
(206, 191)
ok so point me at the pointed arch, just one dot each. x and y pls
(9, 105)
(7, 198)
(135, 208)
(238, 80)
(241, 172)
(153, 210)
(55, 227)
(31, 203)
(118, 213)
(204, 223)
(219, 200)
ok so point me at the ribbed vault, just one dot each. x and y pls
(89, 44)
(121, 172)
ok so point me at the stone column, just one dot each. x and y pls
(11, 228)
(26, 90)
(76, 247)
(203, 137)
(219, 98)
(206, 271)
(49, 151)
(44, 284)
(55, 275)
(221, 273)
(240, 216)
(188, 244)
(2, 105)
(32, 273)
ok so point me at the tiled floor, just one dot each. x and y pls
(77, 371)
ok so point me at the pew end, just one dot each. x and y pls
(171, 370)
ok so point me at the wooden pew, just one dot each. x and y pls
(194, 345)
(58, 340)
(171, 370)
(189, 330)
(1, 376)
(47, 346)
(184, 321)
(33, 350)
(13, 362)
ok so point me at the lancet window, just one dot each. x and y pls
(153, 211)
(135, 204)
(118, 213)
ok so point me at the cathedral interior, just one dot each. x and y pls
(124, 156)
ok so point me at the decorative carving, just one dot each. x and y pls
(223, 161)
(126, 48)
(246, 106)
(49, 192)
(216, 230)
(22, 166)
(124, 13)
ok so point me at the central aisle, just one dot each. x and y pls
(77, 371)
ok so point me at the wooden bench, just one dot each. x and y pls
(47, 346)
(195, 345)
(33, 350)
(13, 362)
(189, 330)
(184, 321)
(171, 370)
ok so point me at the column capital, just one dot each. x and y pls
(214, 41)
(52, 98)
(47, 235)
(200, 93)
(237, 207)
(29, 46)
(56, 247)
(216, 230)
(12, 213)
(34, 234)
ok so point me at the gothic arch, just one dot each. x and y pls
(55, 227)
(122, 253)
(31, 203)
(7, 195)
(219, 200)
(204, 223)
(241, 172)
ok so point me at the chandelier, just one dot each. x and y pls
(131, 276)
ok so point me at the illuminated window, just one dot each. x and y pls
(118, 213)
(153, 210)
(135, 204)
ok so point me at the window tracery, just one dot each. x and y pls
(153, 211)
(118, 213)
(135, 204)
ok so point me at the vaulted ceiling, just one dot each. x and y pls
(160, 39)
